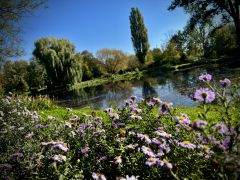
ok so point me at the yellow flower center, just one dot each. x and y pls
(182, 118)
(206, 147)
(122, 131)
(151, 159)
(165, 161)
(187, 142)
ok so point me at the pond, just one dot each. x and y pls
(175, 87)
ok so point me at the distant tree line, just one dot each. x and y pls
(212, 32)
(56, 64)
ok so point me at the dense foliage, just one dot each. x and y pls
(204, 11)
(59, 59)
(146, 139)
(11, 12)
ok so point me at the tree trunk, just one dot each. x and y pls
(237, 26)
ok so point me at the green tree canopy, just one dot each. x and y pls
(114, 60)
(203, 11)
(60, 61)
(139, 34)
(15, 76)
(36, 74)
(91, 66)
(11, 12)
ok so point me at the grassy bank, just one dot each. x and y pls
(61, 112)
(112, 78)
(230, 61)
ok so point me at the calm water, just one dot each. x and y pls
(175, 87)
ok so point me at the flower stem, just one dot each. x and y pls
(174, 175)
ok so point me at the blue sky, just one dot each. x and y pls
(95, 24)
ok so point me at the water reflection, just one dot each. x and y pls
(176, 87)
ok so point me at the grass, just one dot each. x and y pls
(61, 113)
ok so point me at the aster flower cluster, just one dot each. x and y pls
(150, 135)
(57, 145)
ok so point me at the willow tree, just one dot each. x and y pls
(202, 11)
(60, 61)
(139, 34)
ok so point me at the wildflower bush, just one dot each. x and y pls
(146, 139)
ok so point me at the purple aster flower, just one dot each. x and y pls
(160, 152)
(157, 100)
(226, 141)
(206, 151)
(151, 103)
(163, 134)
(132, 146)
(122, 139)
(59, 158)
(165, 107)
(98, 118)
(152, 161)
(164, 146)
(16, 155)
(109, 110)
(221, 128)
(137, 110)
(101, 159)
(114, 116)
(40, 126)
(205, 77)
(62, 146)
(135, 117)
(85, 150)
(118, 160)
(68, 124)
(187, 144)
(165, 164)
(199, 124)
(74, 118)
(129, 102)
(155, 141)
(134, 98)
(144, 137)
(183, 119)
(148, 151)
(130, 178)
(98, 176)
(225, 83)
(116, 125)
(83, 126)
(204, 95)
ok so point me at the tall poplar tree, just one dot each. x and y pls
(139, 34)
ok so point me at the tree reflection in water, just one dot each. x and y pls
(176, 87)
